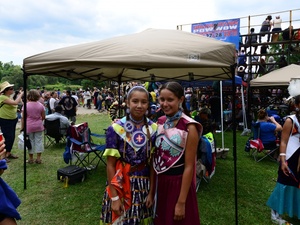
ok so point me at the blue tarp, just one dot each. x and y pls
(238, 81)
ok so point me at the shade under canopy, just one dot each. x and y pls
(163, 54)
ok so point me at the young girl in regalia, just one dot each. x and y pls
(129, 196)
(174, 160)
(285, 198)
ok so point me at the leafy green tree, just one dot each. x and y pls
(14, 74)
(289, 51)
(90, 84)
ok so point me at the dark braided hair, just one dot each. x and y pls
(178, 91)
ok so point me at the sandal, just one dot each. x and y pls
(30, 161)
(11, 156)
(38, 161)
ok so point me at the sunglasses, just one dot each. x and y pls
(11, 88)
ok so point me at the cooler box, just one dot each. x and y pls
(74, 174)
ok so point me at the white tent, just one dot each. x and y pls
(279, 77)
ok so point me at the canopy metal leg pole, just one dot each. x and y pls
(25, 126)
(222, 116)
(234, 145)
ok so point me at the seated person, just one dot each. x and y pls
(207, 153)
(268, 129)
(204, 118)
(64, 122)
(288, 33)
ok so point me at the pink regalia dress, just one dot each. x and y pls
(168, 162)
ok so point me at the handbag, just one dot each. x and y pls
(21, 142)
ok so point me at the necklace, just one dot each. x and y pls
(170, 122)
(138, 138)
(136, 121)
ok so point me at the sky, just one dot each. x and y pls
(30, 27)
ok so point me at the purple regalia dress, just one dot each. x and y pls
(137, 154)
(168, 162)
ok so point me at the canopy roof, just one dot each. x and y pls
(159, 53)
(279, 77)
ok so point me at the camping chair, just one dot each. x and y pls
(258, 149)
(86, 153)
(228, 120)
(206, 159)
(52, 132)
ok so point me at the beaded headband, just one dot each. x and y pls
(137, 87)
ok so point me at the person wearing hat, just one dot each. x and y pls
(8, 116)
(276, 28)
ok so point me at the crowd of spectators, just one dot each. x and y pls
(270, 35)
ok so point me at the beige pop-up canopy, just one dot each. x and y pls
(159, 53)
(151, 55)
(276, 78)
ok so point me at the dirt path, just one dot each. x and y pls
(80, 111)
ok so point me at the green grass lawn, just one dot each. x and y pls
(46, 201)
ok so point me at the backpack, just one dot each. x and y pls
(204, 152)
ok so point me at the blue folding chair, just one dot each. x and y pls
(259, 153)
(82, 143)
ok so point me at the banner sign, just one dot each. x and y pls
(223, 30)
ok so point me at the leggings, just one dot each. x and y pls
(8, 128)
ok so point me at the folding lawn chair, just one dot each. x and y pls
(206, 159)
(52, 133)
(258, 149)
(86, 152)
(228, 120)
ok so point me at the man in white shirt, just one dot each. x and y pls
(75, 96)
(52, 100)
(64, 122)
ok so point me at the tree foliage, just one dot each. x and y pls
(14, 75)
(289, 51)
